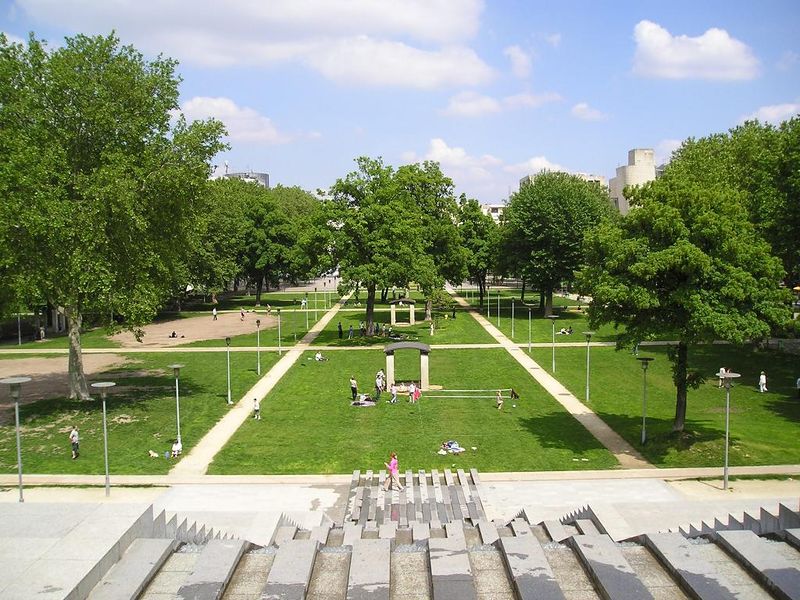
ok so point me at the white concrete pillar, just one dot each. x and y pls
(390, 369)
(411, 315)
(393, 319)
(424, 379)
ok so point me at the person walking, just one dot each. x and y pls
(214, 313)
(350, 333)
(762, 382)
(499, 400)
(354, 388)
(797, 384)
(394, 474)
(378, 385)
(393, 390)
(256, 409)
(74, 440)
(339, 327)
(412, 392)
(241, 314)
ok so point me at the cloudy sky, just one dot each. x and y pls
(491, 90)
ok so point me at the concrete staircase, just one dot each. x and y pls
(391, 547)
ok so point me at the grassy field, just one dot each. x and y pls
(141, 415)
(308, 425)
(764, 427)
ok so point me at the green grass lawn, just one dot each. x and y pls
(93, 338)
(141, 415)
(275, 299)
(764, 428)
(464, 329)
(308, 425)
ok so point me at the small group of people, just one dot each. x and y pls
(174, 335)
(565, 331)
(498, 402)
(414, 393)
(385, 330)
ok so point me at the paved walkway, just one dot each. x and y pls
(627, 456)
(196, 462)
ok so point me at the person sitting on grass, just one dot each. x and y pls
(318, 357)
(177, 448)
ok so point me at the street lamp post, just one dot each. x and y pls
(103, 387)
(512, 318)
(176, 371)
(588, 335)
(488, 303)
(553, 321)
(279, 332)
(258, 346)
(228, 356)
(645, 361)
(727, 376)
(306, 303)
(529, 330)
(315, 304)
(16, 385)
(498, 308)
(19, 331)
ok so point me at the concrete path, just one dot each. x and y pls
(197, 461)
(627, 456)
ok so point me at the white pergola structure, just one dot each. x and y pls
(424, 354)
(393, 307)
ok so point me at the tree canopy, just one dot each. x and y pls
(546, 221)
(685, 262)
(479, 237)
(101, 183)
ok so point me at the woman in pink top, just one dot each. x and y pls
(394, 477)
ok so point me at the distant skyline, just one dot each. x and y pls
(491, 90)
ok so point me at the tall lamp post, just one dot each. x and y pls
(258, 346)
(315, 304)
(306, 303)
(645, 361)
(103, 387)
(16, 385)
(228, 356)
(488, 303)
(512, 318)
(728, 377)
(553, 321)
(279, 332)
(498, 308)
(529, 330)
(588, 335)
(176, 372)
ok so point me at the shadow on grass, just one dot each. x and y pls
(560, 431)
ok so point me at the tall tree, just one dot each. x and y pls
(375, 240)
(547, 220)
(100, 189)
(684, 262)
(479, 235)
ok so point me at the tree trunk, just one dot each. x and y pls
(77, 380)
(547, 295)
(370, 309)
(522, 294)
(541, 299)
(259, 287)
(384, 294)
(679, 373)
(428, 309)
(481, 290)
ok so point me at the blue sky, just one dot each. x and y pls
(492, 90)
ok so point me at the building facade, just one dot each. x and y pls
(640, 169)
(261, 179)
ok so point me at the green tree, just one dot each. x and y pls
(684, 262)
(546, 223)
(374, 229)
(479, 235)
(100, 186)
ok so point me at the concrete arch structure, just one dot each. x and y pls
(424, 354)
(393, 308)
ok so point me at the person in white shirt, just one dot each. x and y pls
(762, 382)
(177, 448)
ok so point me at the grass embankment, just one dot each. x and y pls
(308, 425)
(764, 428)
(141, 415)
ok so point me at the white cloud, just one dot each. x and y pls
(417, 43)
(485, 177)
(664, 150)
(243, 124)
(715, 55)
(520, 61)
(585, 112)
(533, 165)
(472, 104)
(554, 39)
(775, 113)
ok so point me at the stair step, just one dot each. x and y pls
(213, 570)
(689, 566)
(608, 568)
(531, 573)
(792, 537)
(656, 578)
(370, 566)
(586, 527)
(556, 531)
(489, 574)
(250, 575)
(410, 574)
(171, 576)
(329, 577)
(291, 571)
(568, 571)
(772, 569)
(451, 572)
(141, 561)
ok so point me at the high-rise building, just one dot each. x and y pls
(640, 169)
(251, 176)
